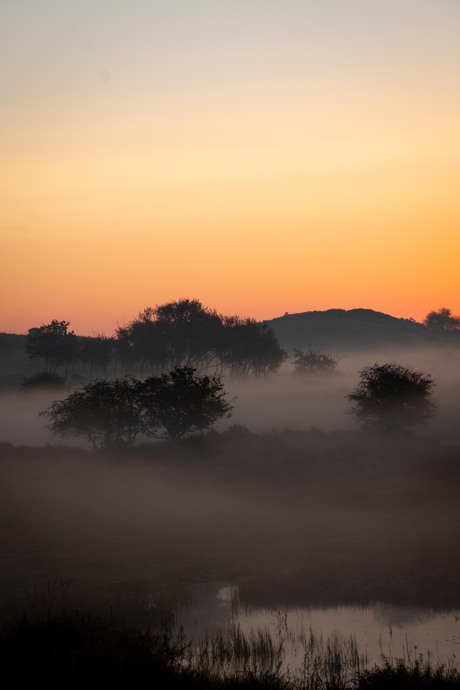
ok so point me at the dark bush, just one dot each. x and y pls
(44, 379)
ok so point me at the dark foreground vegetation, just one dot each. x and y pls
(75, 649)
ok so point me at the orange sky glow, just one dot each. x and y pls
(236, 159)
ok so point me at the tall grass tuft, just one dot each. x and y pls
(402, 675)
(236, 653)
(333, 662)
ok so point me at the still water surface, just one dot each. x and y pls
(381, 631)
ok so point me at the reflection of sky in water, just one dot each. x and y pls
(380, 631)
(387, 614)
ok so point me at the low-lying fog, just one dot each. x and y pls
(198, 514)
(280, 401)
(316, 518)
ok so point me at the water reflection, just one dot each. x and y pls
(377, 632)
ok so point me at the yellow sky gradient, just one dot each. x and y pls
(256, 197)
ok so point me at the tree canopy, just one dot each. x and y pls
(181, 402)
(185, 333)
(97, 353)
(392, 397)
(54, 343)
(442, 320)
(112, 413)
(105, 413)
(181, 333)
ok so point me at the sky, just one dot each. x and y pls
(263, 156)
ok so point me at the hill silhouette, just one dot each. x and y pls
(354, 330)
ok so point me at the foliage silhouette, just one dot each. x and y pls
(43, 379)
(104, 412)
(170, 335)
(181, 402)
(250, 347)
(97, 353)
(54, 343)
(113, 413)
(192, 331)
(185, 333)
(392, 397)
(442, 320)
(313, 361)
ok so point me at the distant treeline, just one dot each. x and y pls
(182, 333)
(185, 333)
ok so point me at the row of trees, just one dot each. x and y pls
(109, 413)
(176, 334)
(184, 333)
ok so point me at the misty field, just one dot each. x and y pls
(332, 530)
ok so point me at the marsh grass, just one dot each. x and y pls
(63, 647)
(331, 662)
(237, 653)
(418, 675)
(67, 648)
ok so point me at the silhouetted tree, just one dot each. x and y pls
(184, 333)
(181, 402)
(97, 352)
(172, 334)
(126, 354)
(191, 331)
(54, 343)
(106, 413)
(392, 397)
(442, 320)
(42, 380)
(249, 347)
(313, 361)
(109, 413)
